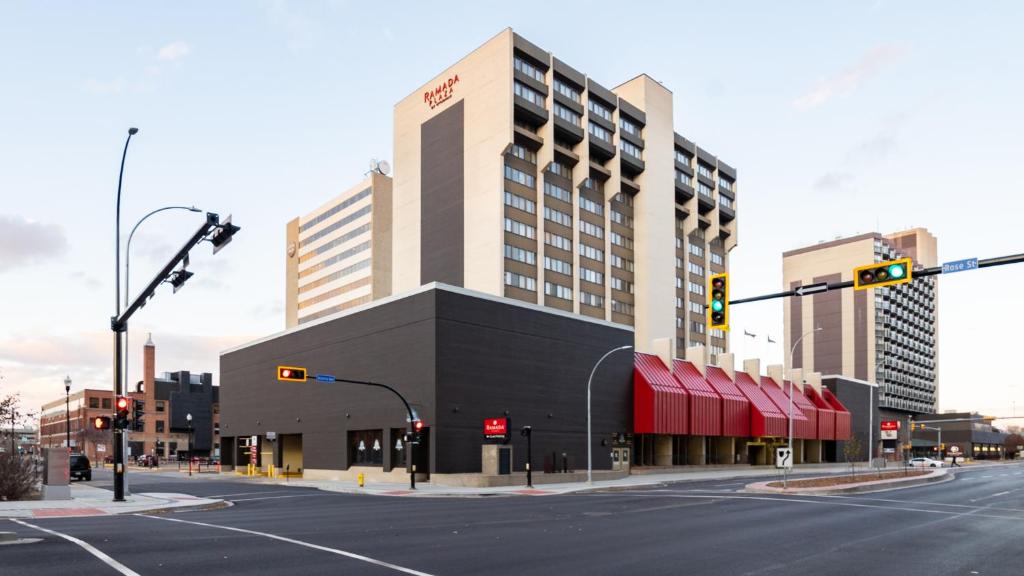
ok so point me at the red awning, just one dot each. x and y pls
(779, 398)
(705, 403)
(826, 414)
(660, 404)
(765, 417)
(809, 430)
(735, 406)
(843, 431)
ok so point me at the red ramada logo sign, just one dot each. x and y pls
(441, 92)
(495, 427)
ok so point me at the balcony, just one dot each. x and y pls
(567, 130)
(705, 203)
(601, 149)
(630, 164)
(725, 213)
(684, 192)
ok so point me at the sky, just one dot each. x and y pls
(840, 117)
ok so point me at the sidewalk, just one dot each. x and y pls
(427, 489)
(90, 501)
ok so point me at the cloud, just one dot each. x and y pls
(833, 181)
(24, 242)
(174, 51)
(848, 80)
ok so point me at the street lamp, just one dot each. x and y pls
(67, 409)
(189, 418)
(792, 351)
(119, 447)
(590, 448)
(128, 269)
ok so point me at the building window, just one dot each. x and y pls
(591, 229)
(622, 285)
(679, 302)
(159, 405)
(696, 307)
(560, 169)
(697, 327)
(703, 189)
(558, 241)
(626, 199)
(679, 282)
(159, 426)
(696, 269)
(567, 90)
(591, 206)
(622, 307)
(631, 149)
(698, 233)
(529, 69)
(684, 178)
(629, 127)
(520, 229)
(568, 115)
(620, 218)
(621, 263)
(591, 299)
(591, 252)
(717, 259)
(725, 201)
(683, 157)
(517, 201)
(557, 192)
(725, 184)
(94, 402)
(592, 276)
(557, 216)
(524, 153)
(705, 170)
(520, 281)
(520, 177)
(697, 250)
(529, 94)
(697, 289)
(558, 291)
(620, 240)
(599, 132)
(679, 262)
(520, 254)
(556, 265)
(599, 109)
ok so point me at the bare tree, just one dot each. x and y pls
(851, 451)
(1011, 445)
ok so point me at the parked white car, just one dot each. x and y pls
(926, 463)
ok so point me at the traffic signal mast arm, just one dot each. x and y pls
(803, 290)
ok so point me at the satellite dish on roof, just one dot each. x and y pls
(383, 167)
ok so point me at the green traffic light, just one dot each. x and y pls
(716, 305)
(896, 271)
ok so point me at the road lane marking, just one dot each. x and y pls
(243, 494)
(88, 548)
(995, 495)
(352, 555)
(276, 497)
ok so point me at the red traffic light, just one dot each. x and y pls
(417, 425)
(122, 403)
(291, 373)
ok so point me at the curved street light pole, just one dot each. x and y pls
(590, 448)
(128, 270)
(119, 447)
(792, 351)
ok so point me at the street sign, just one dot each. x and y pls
(325, 378)
(954, 449)
(784, 458)
(253, 440)
(811, 289)
(889, 429)
(959, 265)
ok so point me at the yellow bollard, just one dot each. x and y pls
(362, 479)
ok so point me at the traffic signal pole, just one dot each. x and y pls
(825, 287)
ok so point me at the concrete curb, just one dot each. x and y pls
(91, 507)
(937, 475)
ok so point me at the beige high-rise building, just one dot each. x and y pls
(339, 255)
(887, 335)
(519, 176)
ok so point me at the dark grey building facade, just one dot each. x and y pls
(459, 357)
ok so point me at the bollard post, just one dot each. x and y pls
(287, 471)
(361, 478)
(565, 463)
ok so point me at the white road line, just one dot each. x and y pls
(88, 548)
(276, 497)
(243, 494)
(299, 543)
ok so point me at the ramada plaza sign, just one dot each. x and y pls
(496, 428)
(441, 92)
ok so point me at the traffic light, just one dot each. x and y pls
(291, 374)
(718, 301)
(121, 412)
(883, 274)
(101, 423)
(137, 414)
(222, 236)
(417, 431)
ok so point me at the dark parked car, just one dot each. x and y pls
(81, 468)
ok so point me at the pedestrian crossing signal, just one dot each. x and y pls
(291, 374)
(101, 423)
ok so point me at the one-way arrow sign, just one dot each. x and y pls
(811, 289)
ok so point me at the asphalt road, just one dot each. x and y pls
(971, 525)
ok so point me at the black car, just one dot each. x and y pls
(81, 468)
